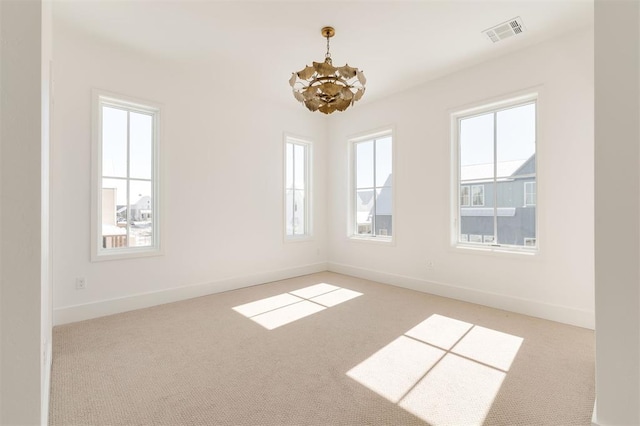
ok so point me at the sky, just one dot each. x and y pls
(516, 136)
(114, 152)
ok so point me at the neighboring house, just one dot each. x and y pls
(141, 209)
(383, 210)
(114, 217)
(112, 234)
(515, 194)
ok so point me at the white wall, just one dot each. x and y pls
(46, 260)
(222, 152)
(617, 212)
(25, 282)
(556, 284)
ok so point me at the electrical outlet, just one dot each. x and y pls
(81, 283)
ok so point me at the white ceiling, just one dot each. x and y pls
(398, 44)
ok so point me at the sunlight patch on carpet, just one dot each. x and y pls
(394, 370)
(268, 304)
(276, 311)
(444, 371)
(456, 392)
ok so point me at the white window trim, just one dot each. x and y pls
(100, 97)
(351, 218)
(525, 194)
(497, 104)
(308, 235)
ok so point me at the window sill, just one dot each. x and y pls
(298, 239)
(520, 253)
(125, 254)
(372, 240)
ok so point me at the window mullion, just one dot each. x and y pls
(495, 178)
(375, 201)
(305, 191)
(293, 191)
(128, 196)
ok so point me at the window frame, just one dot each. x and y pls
(308, 201)
(503, 103)
(102, 98)
(352, 226)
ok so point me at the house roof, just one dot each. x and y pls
(485, 171)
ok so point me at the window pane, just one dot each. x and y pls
(476, 166)
(516, 139)
(384, 211)
(364, 211)
(289, 167)
(299, 164)
(140, 145)
(140, 214)
(516, 223)
(364, 165)
(296, 188)
(288, 214)
(114, 213)
(477, 219)
(299, 225)
(516, 171)
(114, 142)
(476, 147)
(383, 162)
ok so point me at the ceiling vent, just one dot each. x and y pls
(505, 30)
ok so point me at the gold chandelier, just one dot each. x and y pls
(326, 88)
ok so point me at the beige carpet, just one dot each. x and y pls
(364, 354)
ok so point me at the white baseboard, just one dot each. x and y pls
(44, 414)
(102, 308)
(563, 314)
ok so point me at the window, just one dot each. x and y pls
(496, 162)
(464, 196)
(373, 190)
(125, 168)
(297, 213)
(475, 238)
(471, 195)
(530, 193)
(477, 195)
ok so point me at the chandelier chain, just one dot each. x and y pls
(328, 54)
